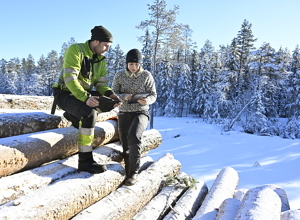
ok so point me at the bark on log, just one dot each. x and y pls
(259, 203)
(163, 202)
(223, 188)
(26, 102)
(160, 204)
(290, 215)
(18, 123)
(20, 184)
(126, 201)
(228, 209)
(189, 203)
(31, 150)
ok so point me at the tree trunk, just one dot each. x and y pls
(259, 203)
(189, 203)
(31, 150)
(223, 188)
(18, 123)
(20, 184)
(228, 209)
(126, 201)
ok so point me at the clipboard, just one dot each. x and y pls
(137, 96)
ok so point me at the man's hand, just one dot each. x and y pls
(115, 97)
(92, 101)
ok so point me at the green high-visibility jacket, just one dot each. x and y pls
(73, 77)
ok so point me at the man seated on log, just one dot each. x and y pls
(84, 69)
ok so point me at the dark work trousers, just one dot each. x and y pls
(85, 114)
(131, 127)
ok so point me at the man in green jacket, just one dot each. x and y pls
(84, 70)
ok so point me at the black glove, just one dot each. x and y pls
(106, 104)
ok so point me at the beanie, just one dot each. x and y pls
(101, 34)
(134, 56)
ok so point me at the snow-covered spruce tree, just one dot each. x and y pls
(264, 72)
(29, 70)
(292, 129)
(147, 51)
(115, 62)
(283, 62)
(293, 85)
(41, 87)
(13, 74)
(203, 102)
(163, 29)
(53, 70)
(4, 85)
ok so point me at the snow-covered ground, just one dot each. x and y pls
(203, 150)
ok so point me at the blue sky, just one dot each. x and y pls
(38, 26)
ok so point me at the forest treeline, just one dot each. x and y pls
(236, 84)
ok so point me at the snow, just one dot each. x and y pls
(204, 150)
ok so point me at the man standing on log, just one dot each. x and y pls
(84, 69)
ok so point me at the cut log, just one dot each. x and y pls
(223, 188)
(161, 204)
(31, 150)
(20, 184)
(290, 215)
(126, 201)
(259, 203)
(66, 197)
(282, 195)
(12, 124)
(26, 102)
(189, 203)
(228, 209)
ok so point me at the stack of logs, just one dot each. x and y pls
(39, 179)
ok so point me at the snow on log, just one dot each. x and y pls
(290, 215)
(66, 197)
(188, 204)
(126, 201)
(31, 150)
(26, 102)
(223, 188)
(282, 195)
(259, 203)
(228, 209)
(20, 184)
(18, 123)
(240, 193)
(160, 204)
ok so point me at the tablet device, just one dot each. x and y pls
(137, 96)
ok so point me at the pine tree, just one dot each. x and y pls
(164, 28)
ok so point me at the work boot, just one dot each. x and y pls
(72, 118)
(131, 179)
(87, 163)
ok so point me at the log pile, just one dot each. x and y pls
(39, 180)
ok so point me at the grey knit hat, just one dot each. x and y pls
(134, 56)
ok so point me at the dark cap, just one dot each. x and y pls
(101, 34)
(134, 56)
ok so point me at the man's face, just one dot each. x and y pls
(101, 47)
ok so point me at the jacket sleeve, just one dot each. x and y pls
(71, 69)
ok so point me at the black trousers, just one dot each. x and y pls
(131, 126)
(87, 116)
